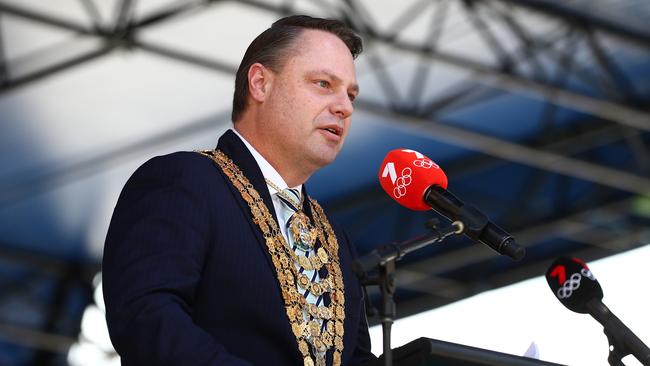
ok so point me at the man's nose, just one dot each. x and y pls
(342, 107)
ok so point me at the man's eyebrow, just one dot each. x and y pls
(354, 87)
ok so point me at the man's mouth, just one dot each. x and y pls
(335, 130)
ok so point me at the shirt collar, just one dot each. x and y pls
(268, 171)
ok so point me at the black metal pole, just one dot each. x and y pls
(387, 312)
(383, 260)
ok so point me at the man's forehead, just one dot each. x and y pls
(313, 40)
(324, 52)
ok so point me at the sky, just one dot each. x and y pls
(511, 318)
(505, 320)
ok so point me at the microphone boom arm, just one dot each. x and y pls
(395, 251)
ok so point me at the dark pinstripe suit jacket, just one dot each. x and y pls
(187, 277)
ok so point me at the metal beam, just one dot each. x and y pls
(214, 65)
(170, 12)
(620, 82)
(39, 17)
(28, 186)
(56, 314)
(120, 36)
(609, 110)
(93, 13)
(40, 262)
(421, 75)
(374, 199)
(417, 8)
(50, 70)
(35, 338)
(558, 9)
(597, 136)
(4, 72)
(451, 291)
(564, 227)
(123, 17)
(440, 291)
(61, 23)
(485, 32)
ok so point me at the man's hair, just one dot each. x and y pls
(273, 47)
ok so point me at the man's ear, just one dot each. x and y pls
(259, 81)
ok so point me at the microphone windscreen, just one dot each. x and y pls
(573, 283)
(407, 174)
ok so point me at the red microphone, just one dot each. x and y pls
(407, 174)
(416, 182)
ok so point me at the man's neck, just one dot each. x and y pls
(269, 168)
(290, 172)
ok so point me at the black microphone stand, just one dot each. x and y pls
(383, 260)
(622, 341)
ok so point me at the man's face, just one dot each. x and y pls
(307, 113)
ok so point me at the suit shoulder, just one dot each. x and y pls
(177, 164)
(179, 161)
(186, 168)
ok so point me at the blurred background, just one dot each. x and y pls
(538, 111)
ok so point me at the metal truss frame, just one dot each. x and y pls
(620, 113)
(123, 35)
(59, 326)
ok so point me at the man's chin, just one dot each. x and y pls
(324, 158)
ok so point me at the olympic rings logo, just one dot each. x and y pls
(423, 163)
(573, 283)
(402, 182)
(570, 285)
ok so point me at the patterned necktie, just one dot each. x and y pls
(292, 204)
(291, 207)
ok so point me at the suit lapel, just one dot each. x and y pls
(231, 145)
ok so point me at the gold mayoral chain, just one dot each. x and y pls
(308, 333)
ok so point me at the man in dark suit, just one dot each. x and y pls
(220, 257)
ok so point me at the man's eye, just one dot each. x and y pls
(352, 97)
(323, 84)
